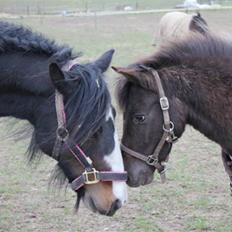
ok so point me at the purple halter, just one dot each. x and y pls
(90, 175)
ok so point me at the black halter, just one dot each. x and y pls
(90, 174)
(168, 131)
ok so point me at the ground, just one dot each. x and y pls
(196, 196)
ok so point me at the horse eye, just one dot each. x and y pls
(139, 118)
(100, 130)
(97, 133)
(114, 112)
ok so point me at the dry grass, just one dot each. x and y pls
(196, 197)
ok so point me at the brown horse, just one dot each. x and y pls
(185, 82)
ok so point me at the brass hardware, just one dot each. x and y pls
(91, 177)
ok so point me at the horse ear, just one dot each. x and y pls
(127, 72)
(130, 73)
(57, 77)
(56, 73)
(104, 60)
(198, 24)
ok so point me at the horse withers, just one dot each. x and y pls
(185, 82)
(69, 106)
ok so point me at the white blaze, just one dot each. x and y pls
(114, 160)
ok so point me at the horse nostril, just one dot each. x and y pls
(114, 207)
(117, 204)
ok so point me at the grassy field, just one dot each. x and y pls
(42, 6)
(58, 6)
(196, 196)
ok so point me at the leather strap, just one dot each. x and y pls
(90, 174)
(80, 156)
(100, 176)
(168, 130)
(61, 121)
(164, 104)
(134, 153)
(112, 176)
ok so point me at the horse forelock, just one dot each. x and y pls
(90, 102)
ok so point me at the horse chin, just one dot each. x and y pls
(141, 182)
(101, 205)
(88, 202)
(92, 206)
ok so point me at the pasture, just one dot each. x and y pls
(51, 6)
(196, 196)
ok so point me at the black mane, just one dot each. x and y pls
(89, 103)
(19, 38)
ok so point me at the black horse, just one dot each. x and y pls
(185, 82)
(40, 82)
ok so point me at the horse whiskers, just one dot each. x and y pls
(80, 194)
(58, 178)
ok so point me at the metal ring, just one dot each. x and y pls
(151, 160)
(171, 127)
(62, 133)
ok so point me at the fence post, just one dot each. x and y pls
(86, 6)
(38, 9)
(136, 5)
(28, 10)
(95, 20)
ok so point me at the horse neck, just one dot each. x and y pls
(27, 72)
(203, 97)
(19, 105)
(25, 85)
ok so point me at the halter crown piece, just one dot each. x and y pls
(90, 175)
(168, 131)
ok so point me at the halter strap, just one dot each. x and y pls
(61, 131)
(168, 130)
(95, 176)
(90, 174)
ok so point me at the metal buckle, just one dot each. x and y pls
(91, 177)
(174, 138)
(170, 130)
(164, 103)
(151, 160)
(62, 133)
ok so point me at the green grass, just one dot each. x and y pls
(144, 224)
(198, 224)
